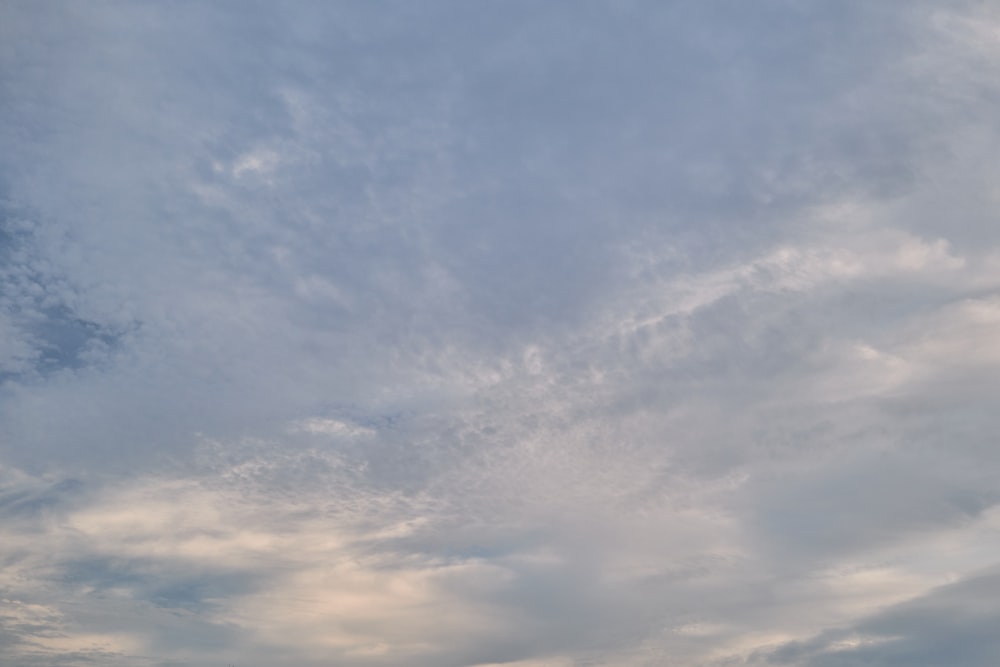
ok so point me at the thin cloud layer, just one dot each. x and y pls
(584, 333)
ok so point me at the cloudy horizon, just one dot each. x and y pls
(454, 334)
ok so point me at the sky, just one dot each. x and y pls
(465, 334)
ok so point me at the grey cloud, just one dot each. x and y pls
(952, 623)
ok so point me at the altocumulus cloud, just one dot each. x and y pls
(475, 334)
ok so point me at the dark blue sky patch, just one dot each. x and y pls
(69, 342)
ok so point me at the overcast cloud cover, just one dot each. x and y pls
(453, 334)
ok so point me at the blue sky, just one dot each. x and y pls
(460, 334)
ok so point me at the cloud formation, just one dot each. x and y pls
(442, 334)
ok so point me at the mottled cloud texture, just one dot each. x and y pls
(454, 334)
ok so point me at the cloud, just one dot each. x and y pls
(949, 622)
(585, 333)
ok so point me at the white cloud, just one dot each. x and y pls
(334, 427)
